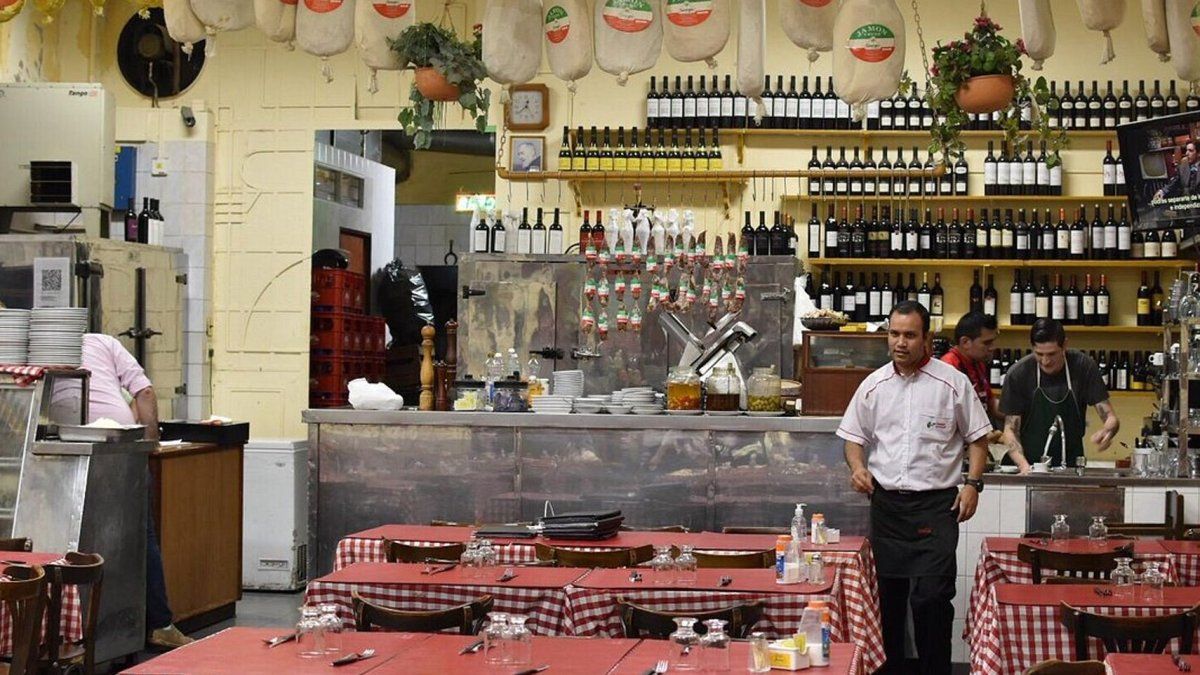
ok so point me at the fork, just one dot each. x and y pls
(658, 669)
(1183, 666)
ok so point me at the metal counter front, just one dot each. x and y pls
(368, 468)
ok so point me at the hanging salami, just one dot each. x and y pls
(809, 24)
(1154, 18)
(752, 47)
(628, 36)
(1103, 16)
(276, 19)
(512, 41)
(182, 24)
(325, 28)
(696, 30)
(568, 28)
(219, 16)
(1037, 30)
(1183, 27)
(375, 23)
(868, 59)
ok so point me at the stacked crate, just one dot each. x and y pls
(346, 343)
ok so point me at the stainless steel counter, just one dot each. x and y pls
(825, 425)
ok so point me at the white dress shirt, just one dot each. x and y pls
(913, 428)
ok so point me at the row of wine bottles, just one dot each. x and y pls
(535, 239)
(700, 104)
(995, 236)
(869, 183)
(147, 226)
(862, 302)
(597, 152)
(1117, 369)
(1073, 305)
(1017, 174)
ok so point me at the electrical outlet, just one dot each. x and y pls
(158, 167)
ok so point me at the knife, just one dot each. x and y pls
(533, 671)
(471, 648)
(276, 641)
(353, 658)
(439, 570)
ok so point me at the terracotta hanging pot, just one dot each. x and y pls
(985, 93)
(433, 85)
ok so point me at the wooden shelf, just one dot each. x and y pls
(997, 264)
(881, 133)
(1071, 330)
(959, 199)
(1117, 393)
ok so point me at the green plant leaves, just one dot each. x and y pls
(426, 45)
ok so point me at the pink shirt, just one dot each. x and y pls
(113, 368)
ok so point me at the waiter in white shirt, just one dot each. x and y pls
(905, 430)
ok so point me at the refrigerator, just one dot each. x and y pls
(275, 515)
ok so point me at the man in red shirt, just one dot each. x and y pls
(975, 337)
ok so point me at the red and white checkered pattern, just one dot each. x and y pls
(1010, 638)
(70, 622)
(1187, 568)
(546, 608)
(1005, 568)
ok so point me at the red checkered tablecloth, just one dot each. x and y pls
(1185, 556)
(71, 621)
(998, 564)
(1018, 625)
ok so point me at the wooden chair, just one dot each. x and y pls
(640, 621)
(466, 618)
(1134, 635)
(660, 528)
(736, 561)
(1170, 528)
(407, 553)
(1056, 667)
(16, 544)
(85, 571)
(24, 596)
(1081, 567)
(755, 530)
(617, 557)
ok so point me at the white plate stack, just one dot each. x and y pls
(640, 400)
(14, 336)
(568, 383)
(56, 336)
(560, 405)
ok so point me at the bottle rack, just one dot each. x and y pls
(1140, 263)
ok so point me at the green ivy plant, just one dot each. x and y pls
(984, 51)
(427, 45)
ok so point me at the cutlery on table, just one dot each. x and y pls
(1102, 592)
(533, 671)
(725, 581)
(1183, 666)
(658, 669)
(278, 640)
(354, 658)
(438, 570)
(508, 575)
(472, 648)
(635, 575)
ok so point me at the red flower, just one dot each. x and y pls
(1021, 46)
(934, 71)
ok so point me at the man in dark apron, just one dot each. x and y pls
(905, 430)
(1045, 401)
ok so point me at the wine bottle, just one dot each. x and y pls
(856, 175)
(762, 236)
(990, 297)
(1124, 105)
(1080, 121)
(779, 237)
(814, 235)
(1102, 302)
(832, 236)
(1021, 238)
(1124, 236)
(554, 237)
(143, 222)
(1157, 102)
(1153, 248)
(481, 236)
(842, 181)
(537, 236)
(585, 233)
(1058, 300)
(702, 119)
(1156, 301)
(975, 294)
(1042, 300)
(1095, 108)
(652, 100)
(1173, 105)
(1109, 166)
(1073, 302)
(791, 106)
(990, 171)
(564, 151)
(524, 234)
(858, 237)
(1143, 302)
(805, 106)
(937, 302)
(131, 222)
(1169, 245)
(1111, 235)
(499, 238)
(924, 295)
(1111, 108)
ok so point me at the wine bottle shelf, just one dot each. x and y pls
(1116, 393)
(881, 133)
(1100, 330)
(955, 199)
(997, 264)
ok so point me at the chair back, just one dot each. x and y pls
(1056, 667)
(735, 529)
(467, 618)
(16, 544)
(85, 571)
(736, 561)
(408, 553)
(1083, 567)
(1173, 514)
(23, 595)
(1132, 634)
(607, 559)
(641, 622)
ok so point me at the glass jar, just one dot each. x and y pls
(520, 641)
(1123, 578)
(469, 395)
(310, 634)
(723, 390)
(683, 389)
(1098, 531)
(332, 625)
(495, 646)
(1060, 530)
(759, 660)
(1153, 581)
(685, 567)
(684, 645)
(764, 391)
(663, 565)
(511, 397)
(714, 647)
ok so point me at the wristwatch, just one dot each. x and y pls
(976, 483)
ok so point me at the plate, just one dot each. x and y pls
(723, 413)
(763, 413)
(685, 412)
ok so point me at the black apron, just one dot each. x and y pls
(1043, 410)
(914, 534)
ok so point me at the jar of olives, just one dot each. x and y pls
(764, 391)
(723, 390)
(683, 389)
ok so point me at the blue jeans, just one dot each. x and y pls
(158, 611)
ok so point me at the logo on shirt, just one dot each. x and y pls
(940, 425)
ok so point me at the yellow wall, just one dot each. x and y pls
(438, 176)
(267, 102)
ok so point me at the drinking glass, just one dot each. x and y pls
(470, 560)
(685, 567)
(663, 565)
(684, 645)
(520, 641)
(1080, 465)
(1060, 530)
(816, 570)
(1123, 577)
(494, 633)
(760, 655)
(487, 554)
(714, 647)
(1152, 583)
(1098, 531)
(332, 625)
(310, 636)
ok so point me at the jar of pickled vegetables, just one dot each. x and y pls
(764, 391)
(723, 390)
(683, 389)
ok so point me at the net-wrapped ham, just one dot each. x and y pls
(868, 53)
(1037, 30)
(325, 28)
(182, 24)
(1154, 18)
(752, 47)
(696, 30)
(628, 36)
(376, 22)
(10, 8)
(512, 40)
(1182, 19)
(219, 16)
(809, 24)
(276, 19)
(1103, 16)
(568, 28)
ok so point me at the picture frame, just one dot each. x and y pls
(529, 108)
(527, 154)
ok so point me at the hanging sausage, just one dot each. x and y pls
(628, 35)
(696, 30)
(512, 41)
(219, 16)
(752, 47)
(1037, 30)
(1182, 18)
(568, 28)
(809, 24)
(276, 19)
(868, 57)
(375, 23)
(1103, 16)
(1154, 18)
(182, 24)
(325, 28)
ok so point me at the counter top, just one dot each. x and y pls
(826, 425)
(1090, 478)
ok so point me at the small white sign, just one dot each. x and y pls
(51, 282)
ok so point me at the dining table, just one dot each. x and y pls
(1021, 624)
(1148, 664)
(1186, 560)
(844, 659)
(573, 656)
(71, 618)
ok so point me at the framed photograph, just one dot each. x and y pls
(527, 154)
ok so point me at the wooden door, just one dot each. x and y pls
(358, 246)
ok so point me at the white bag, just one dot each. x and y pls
(752, 47)
(809, 24)
(219, 16)
(1037, 29)
(276, 19)
(568, 28)
(325, 28)
(1154, 18)
(182, 24)
(512, 41)
(1185, 51)
(1103, 16)
(364, 395)
(374, 23)
(868, 55)
(696, 30)
(629, 36)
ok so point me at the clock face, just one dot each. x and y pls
(526, 107)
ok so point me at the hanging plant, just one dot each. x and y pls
(448, 70)
(981, 73)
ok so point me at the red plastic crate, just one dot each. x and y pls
(374, 336)
(332, 374)
(338, 291)
(335, 333)
(319, 399)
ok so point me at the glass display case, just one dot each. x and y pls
(831, 365)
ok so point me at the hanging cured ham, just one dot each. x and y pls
(809, 24)
(629, 36)
(567, 25)
(1103, 16)
(375, 23)
(696, 30)
(868, 54)
(325, 28)
(1037, 30)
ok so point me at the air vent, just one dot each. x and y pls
(51, 183)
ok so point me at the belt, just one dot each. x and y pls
(913, 492)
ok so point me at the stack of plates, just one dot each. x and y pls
(560, 405)
(591, 405)
(56, 336)
(639, 400)
(568, 383)
(14, 336)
